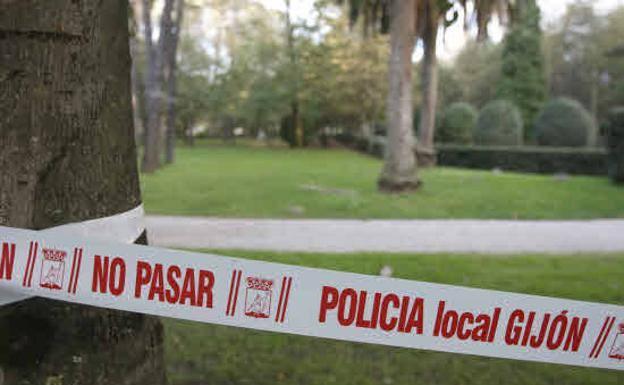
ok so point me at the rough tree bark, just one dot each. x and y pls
(68, 154)
(172, 39)
(151, 147)
(399, 171)
(429, 86)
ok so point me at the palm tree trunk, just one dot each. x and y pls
(69, 155)
(429, 80)
(399, 171)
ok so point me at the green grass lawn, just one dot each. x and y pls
(243, 181)
(207, 354)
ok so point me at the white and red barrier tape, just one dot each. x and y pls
(312, 302)
(124, 227)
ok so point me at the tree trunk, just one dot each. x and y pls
(151, 147)
(137, 84)
(592, 140)
(190, 138)
(69, 155)
(429, 84)
(297, 124)
(171, 52)
(399, 171)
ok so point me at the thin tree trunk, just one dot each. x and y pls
(171, 52)
(151, 148)
(163, 48)
(137, 84)
(399, 171)
(297, 124)
(190, 138)
(592, 140)
(429, 84)
(69, 155)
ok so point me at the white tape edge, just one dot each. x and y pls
(124, 227)
(7, 297)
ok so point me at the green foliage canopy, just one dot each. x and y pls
(522, 71)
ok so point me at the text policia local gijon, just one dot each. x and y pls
(347, 307)
(405, 314)
(359, 309)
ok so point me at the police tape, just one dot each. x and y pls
(125, 227)
(311, 302)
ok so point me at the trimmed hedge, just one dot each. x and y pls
(457, 124)
(615, 142)
(564, 122)
(546, 160)
(533, 159)
(499, 124)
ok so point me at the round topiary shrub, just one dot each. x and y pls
(457, 124)
(564, 122)
(499, 123)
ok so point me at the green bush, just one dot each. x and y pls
(499, 123)
(457, 124)
(615, 142)
(537, 159)
(564, 122)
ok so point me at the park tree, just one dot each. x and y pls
(153, 88)
(407, 21)
(296, 123)
(579, 59)
(159, 81)
(611, 92)
(264, 68)
(611, 78)
(399, 171)
(137, 56)
(574, 58)
(69, 155)
(241, 79)
(343, 77)
(430, 14)
(170, 39)
(241, 72)
(522, 78)
(476, 71)
(194, 92)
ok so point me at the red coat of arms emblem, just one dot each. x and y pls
(52, 269)
(617, 349)
(258, 297)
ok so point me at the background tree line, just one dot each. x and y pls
(242, 65)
